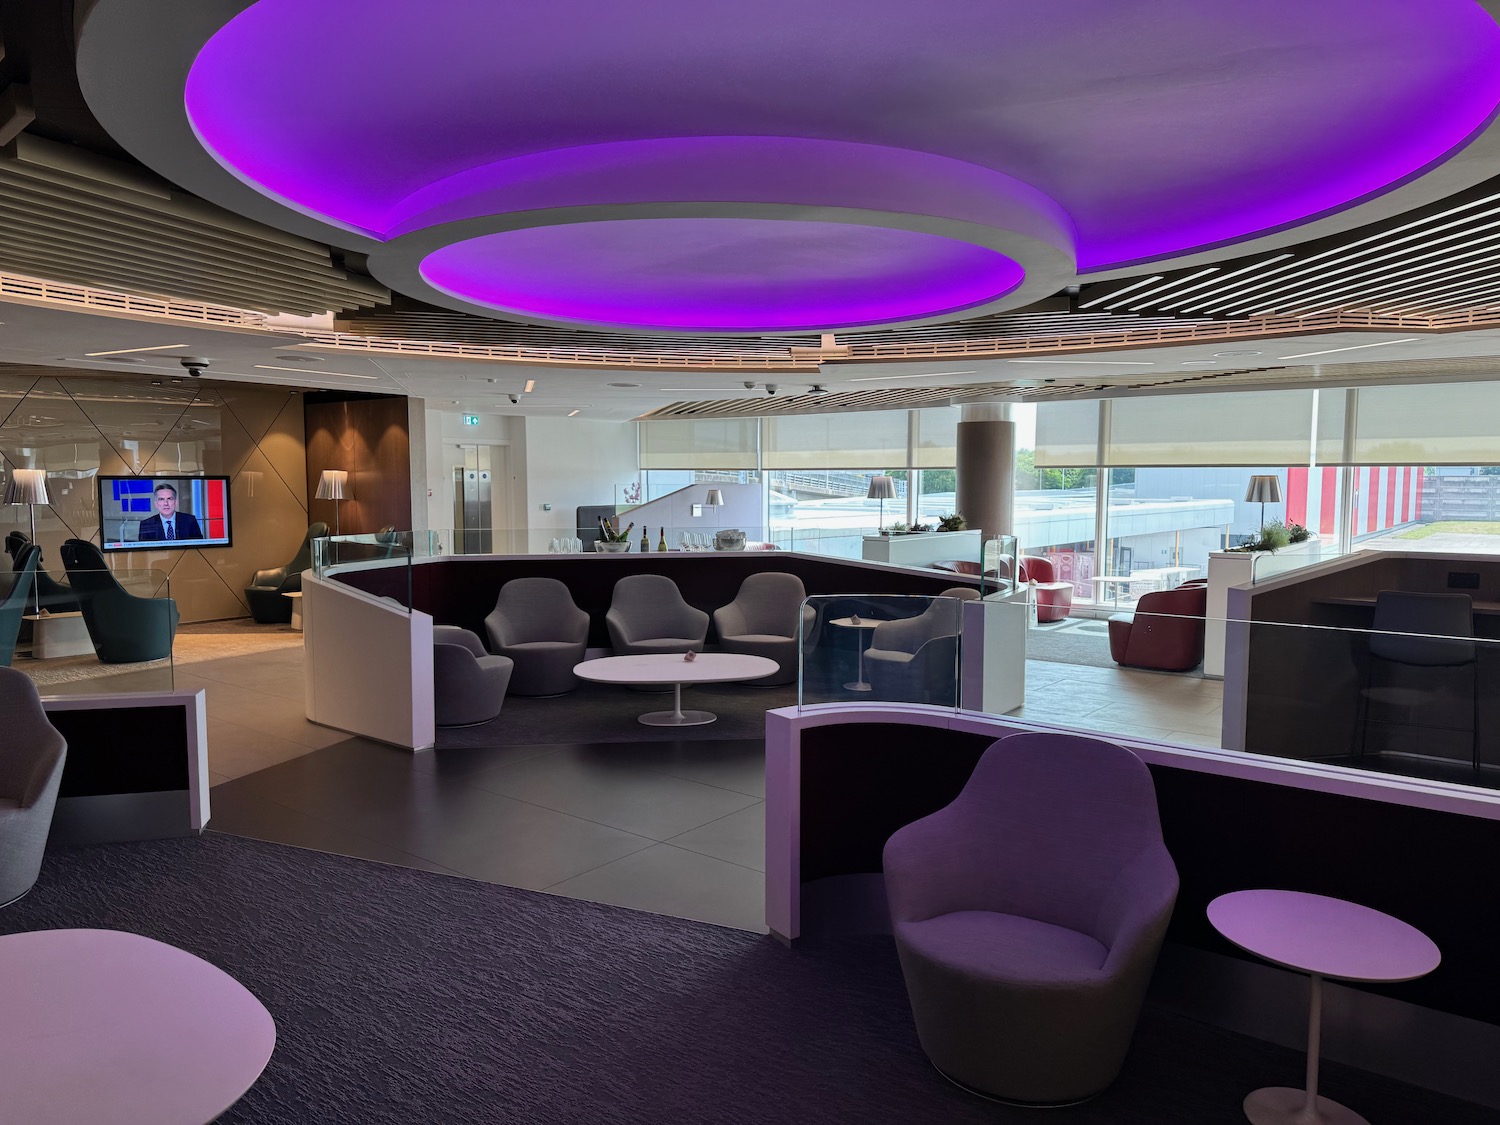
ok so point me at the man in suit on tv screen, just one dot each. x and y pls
(168, 523)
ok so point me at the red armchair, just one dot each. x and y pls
(1165, 632)
(1054, 599)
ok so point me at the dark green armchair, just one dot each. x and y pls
(264, 594)
(125, 629)
(17, 602)
(51, 594)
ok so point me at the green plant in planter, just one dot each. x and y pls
(897, 528)
(1273, 536)
(954, 522)
(1296, 533)
(918, 528)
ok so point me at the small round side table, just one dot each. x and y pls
(1323, 937)
(866, 629)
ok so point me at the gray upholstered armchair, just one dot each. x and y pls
(1028, 915)
(265, 593)
(31, 766)
(915, 659)
(468, 683)
(765, 619)
(647, 614)
(536, 623)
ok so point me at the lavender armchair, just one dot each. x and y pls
(1028, 915)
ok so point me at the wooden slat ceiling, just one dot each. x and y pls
(70, 216)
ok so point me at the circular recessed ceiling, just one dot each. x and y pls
(721, 275)
(1076, 139)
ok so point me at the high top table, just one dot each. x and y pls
(113, 1028)
(654, 669)
(1324, 937)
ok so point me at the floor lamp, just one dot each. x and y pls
(1267, 490)
(882, 488)
(29, 487)
(334, 485)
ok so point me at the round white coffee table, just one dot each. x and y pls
(118, 1029)
(1324, 937)
(866, 629)
(671, 668)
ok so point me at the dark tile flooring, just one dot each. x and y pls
(671, 827)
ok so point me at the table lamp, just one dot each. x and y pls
(882, 488)
(334, 485)
(1267, 490)
(29, 487)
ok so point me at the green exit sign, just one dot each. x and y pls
(471, 419)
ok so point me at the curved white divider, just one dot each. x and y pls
(369, 664)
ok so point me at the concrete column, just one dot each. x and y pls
(987, 468)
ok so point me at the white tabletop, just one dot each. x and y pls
(671, 668)
(850, 623)
(1327, 936)
(114, 1028)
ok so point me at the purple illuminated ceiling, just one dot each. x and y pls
(730, 275)
(1153, 127)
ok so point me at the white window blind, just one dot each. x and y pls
(935, 445)
(1067, 434)
(1245, 428)
(698, 443)
(1436, 424)
(867, 440)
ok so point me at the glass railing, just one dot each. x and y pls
(1400, 702)
(97, 632)
(881, 648)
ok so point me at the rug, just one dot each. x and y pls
(403, 997)
(1074, 640)
(210, 640)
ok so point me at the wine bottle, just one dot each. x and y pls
(624, 536)
(661, 544)
(645, 539)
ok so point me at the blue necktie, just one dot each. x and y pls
(168, 525)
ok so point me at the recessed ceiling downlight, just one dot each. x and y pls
(625, 386)
(301, 358)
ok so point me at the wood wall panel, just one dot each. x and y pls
(366, 436)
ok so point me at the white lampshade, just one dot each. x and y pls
(715, 498)
(27, 486)
(334, 485)
(1264, 489)
(882, 487)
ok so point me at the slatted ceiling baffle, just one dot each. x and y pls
(79, 218)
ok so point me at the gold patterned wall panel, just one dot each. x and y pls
(77, 427)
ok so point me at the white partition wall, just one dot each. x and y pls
(369, 664)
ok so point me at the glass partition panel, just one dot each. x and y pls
(881, 648)
(96, 632)
(382, 551)
(1415, 697)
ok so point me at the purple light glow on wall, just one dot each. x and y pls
(721, 274)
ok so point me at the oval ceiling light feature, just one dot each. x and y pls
(1161, 131)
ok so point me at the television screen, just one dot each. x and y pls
(163, 513)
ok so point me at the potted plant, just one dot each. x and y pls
(952, 522)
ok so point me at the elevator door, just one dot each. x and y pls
(472, 507)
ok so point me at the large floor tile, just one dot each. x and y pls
(601, 787)
(738, 838)
(669, 880)
(234, 750)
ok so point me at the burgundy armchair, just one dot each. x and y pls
(1054, 599)
(1165, 633)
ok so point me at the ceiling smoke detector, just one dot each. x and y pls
(817, 389)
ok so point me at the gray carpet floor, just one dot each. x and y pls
(404, 997)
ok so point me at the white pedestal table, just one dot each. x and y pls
(670, 668)
(1324, 937)
(114, 1028)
